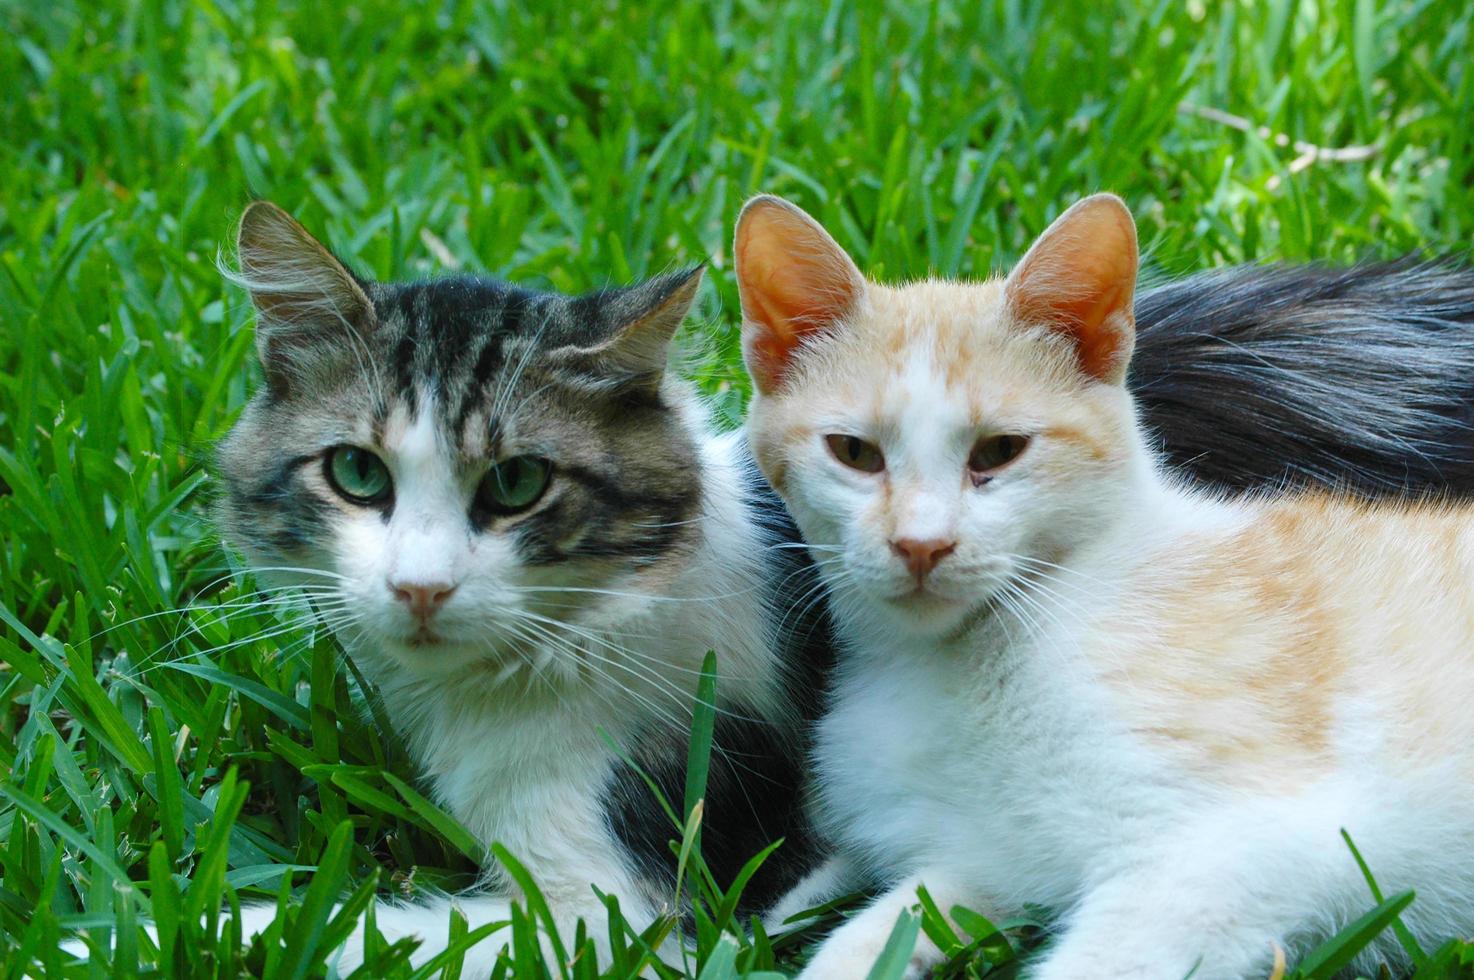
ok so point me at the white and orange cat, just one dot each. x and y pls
(1068, 678)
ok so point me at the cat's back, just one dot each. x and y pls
(1313, 631)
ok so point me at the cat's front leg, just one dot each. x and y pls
(1212, 905)
(836, 877)
(850, 951)
(1125, 937)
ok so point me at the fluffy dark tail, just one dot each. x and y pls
(1359, 377)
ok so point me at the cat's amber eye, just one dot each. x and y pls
(358, 475)
(514, 484)
(856, 453)
(991, 453)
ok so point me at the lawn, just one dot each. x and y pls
(168, 746)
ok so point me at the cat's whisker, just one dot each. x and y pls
(1018, 605)
(1026, 610)
(583, 655)
(539, 657)
(529, 399)
(614, 593)
(242, 576)
(655, 662)
(1006, 604)
(1063, 569)
(180, 611)
(1043, 583)
(511, 381)
(256, 570)
(799, 606)
(650, 674)
(660, 525)
(543, 608)
(663, 664)
(152, 661)
(194, 629)
(244, 602)
(804, 546)
(680, 724)
(552, 625)
(1054, 610)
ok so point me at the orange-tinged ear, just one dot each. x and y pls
(795, 281)
(1079, 278)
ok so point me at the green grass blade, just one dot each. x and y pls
(895, 958)
(1329, 958)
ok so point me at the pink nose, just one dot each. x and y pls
(422, 598)
(922, 556)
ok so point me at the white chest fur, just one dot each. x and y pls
(1000, 772)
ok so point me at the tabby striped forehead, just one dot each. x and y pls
(472, 348)
(502, 371)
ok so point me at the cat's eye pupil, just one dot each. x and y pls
(993, 452)
(513, 485)
(856, 453)
(358, 475)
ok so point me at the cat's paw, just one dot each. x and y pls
(854, 964)
(839, 963)
(1097, 967)
(852, 950)
(834, 878)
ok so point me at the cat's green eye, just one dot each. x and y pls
(856, 453)
(992, 452)
(358, 475)
(516, 483)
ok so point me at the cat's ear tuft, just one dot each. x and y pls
(1079, 278)
(304, 297)
(647, 317)
(795, 282)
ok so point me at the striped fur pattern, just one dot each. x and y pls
(507, 644)
(1068, 677)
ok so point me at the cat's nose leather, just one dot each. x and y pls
(921, 556)
(422, 598)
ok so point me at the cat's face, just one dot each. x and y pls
(459, 470)
(937, 441)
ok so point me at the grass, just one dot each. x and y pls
(169, 747)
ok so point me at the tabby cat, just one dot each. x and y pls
(526, 531)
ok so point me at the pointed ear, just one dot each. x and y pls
(305, 299)
(794, 280)
(1080, 278)
(645, 318)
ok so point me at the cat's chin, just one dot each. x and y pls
(926, 611)
(921, 602)
(430, 655)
